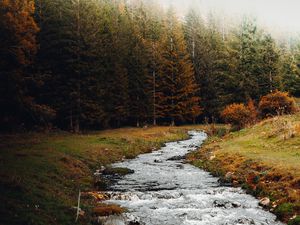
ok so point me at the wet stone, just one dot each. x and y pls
(264, 202)
(246, 221)
(157, 161)
(180, 166)
(226, 204)
(177, 158)
(117, 171)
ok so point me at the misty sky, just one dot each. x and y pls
(279, 15)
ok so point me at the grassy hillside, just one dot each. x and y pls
(42, 173)
(264, 159)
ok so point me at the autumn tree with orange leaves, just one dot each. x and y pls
(18, 47)
(18, 33)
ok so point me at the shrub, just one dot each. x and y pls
(277, 103)
(107, 210)
(284, 210)
(295, 221)
(253, 112)
(236, 114)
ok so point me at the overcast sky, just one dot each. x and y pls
(279, 15)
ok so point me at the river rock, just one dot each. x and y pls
(180, 166)
(132, 220)
(134, 223)
(265, 202)
(193, 146)
(229, 175)
(117, 171)
(177, 158)
(226, 204)
(110, 220)
(246, 221)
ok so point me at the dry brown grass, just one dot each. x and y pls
(107, 210)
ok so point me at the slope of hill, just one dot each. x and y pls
(263, 159)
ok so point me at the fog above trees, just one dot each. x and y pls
(277, 16)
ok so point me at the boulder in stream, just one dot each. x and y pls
(177, 158)
(264, 202)
(157, 161)
(121, 171)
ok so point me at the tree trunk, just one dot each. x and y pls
(77, 125)
(71, 120)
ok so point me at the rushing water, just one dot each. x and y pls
(169, 192)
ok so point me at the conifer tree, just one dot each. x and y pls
(268, 78)
(210, 58)
(290, 71)
(71, 48)
(177, 88)
(257, 69)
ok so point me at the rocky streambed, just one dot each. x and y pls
(165, 191)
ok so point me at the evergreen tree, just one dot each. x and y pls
(71, 48)
(248, 56)
(268, 78)
(177, 88)
(290, 71)
(211, 60)
(137, 64)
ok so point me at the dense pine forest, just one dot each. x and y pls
(95, 64)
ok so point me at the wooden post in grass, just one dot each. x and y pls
(78, 206)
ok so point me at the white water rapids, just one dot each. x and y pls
(169, 192)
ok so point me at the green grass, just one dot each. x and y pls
(42, 173)
(269, 143)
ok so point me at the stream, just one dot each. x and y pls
(165, 191)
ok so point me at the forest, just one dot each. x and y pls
(96, 64)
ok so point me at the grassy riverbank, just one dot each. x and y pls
(264, 159)
(42, 173)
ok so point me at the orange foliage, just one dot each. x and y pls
(253, 112)
(107, 210)
(17, 22)
(277, 103)
(236, 114)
